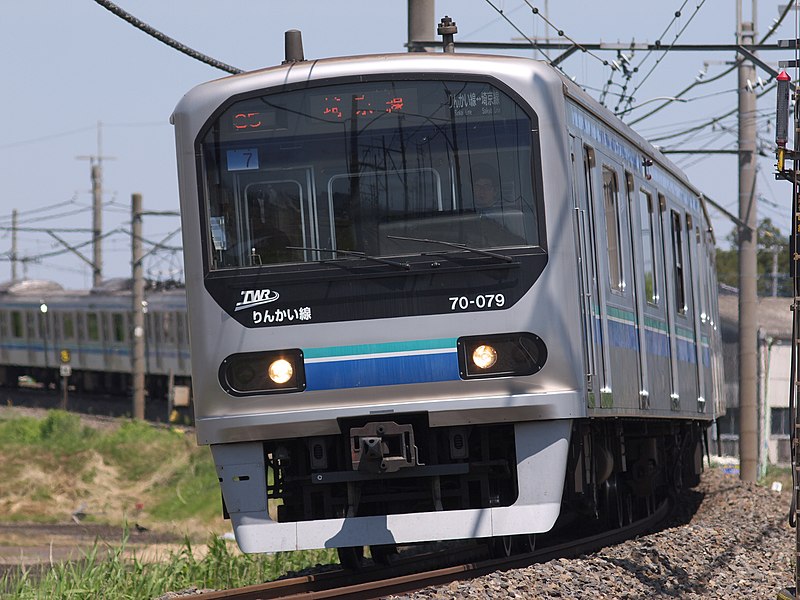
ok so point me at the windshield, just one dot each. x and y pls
(355, 166)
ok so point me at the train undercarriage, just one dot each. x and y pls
(618, 471)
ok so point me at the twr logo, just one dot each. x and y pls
(252, 298)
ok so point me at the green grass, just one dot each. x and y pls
(111, 573)
(178, 477)
(173, 478)
(782, 474)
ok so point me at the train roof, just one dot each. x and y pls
(579, 95)
(30, 287)
(110, 292)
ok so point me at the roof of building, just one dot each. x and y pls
(774, 315)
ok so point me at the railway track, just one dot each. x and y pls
(421, 571)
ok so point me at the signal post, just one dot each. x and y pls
(785, 157)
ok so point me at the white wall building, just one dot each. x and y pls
(775, 350)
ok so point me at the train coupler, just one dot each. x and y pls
(384, 447)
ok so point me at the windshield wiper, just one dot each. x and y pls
(453, 245)
(378, 259)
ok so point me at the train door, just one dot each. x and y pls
(592, 315)
(674, 267)
(636, 281)
(614, 252)
(653, 300)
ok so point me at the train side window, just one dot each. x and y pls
(17, 329)
(30, 324)
(118, 327)
(81, 326)
(92, 327)
(647, 217)
(67, 326)
(702, 267)
(677, 261)
(611, 203)
(180, 328)
(3, 325)
(169, 327)
(42, 325)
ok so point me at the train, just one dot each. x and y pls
(439, 296)
(44, 327)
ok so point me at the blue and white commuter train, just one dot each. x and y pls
(44, 326)
(438, 296)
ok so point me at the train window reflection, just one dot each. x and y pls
(68, 326)
(648, 246)
(677, 261)
(92, 327)
(611, 205)
(118, 326)
(343, 167)
(16, 324)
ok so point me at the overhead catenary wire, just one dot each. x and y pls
(666, 51)
(165, 39)
(561, 33)
(502, 13)
(787, 9)
(767, 89)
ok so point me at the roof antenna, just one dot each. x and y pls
(447, 29)
(293, 44)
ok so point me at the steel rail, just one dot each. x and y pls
(404, 576)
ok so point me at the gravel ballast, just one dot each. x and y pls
(736, 544)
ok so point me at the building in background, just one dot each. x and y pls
(774, 361)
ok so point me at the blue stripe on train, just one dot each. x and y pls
(623, 335)
(390, 370)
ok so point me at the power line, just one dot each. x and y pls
(518, 30)
(40, 209)
(165, 39)
(768, 89)
(666, 51)
(789, 7)
(45, 138)
(561, 33)
(663, 33)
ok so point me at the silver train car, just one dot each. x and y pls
(438, 296)
(43, 326)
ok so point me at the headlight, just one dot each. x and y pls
(484, 356)
(280, 371)
(500, 355)
(254, 373)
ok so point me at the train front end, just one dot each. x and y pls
(382, 298)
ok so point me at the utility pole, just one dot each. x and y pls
(137, 307)
(421, 20)
(748, 236)
(14, 245)
(97, 223)
(97, 207)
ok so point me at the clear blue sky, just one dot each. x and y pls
(68, 65)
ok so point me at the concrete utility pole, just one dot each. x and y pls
(421, 21)
(14, 245)
(97, 223)
(97, 207)
(137, 307)
(748, 237)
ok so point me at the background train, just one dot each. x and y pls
(438, 296)
(43, 326)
